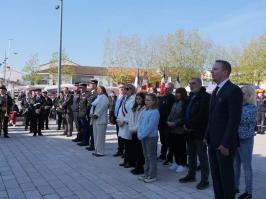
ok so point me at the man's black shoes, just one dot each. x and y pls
(187, 179)
(202, 185)
(245, 196)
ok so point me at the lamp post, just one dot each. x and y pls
(60, 47)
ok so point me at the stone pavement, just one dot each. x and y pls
(53, 167)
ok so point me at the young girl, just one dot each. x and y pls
(148, 134)
(133, 121)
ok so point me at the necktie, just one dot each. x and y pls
(214, 93)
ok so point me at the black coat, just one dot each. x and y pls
(224, 117)
(165, 106)
(198, 119)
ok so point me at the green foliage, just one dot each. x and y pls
(31, 70)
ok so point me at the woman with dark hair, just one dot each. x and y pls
(99, 119)
(177, 141)
(136, 152)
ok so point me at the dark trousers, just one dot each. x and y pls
(4, 124)
(196, 148)
(177, 147)
(164, 138)
(46, 120)
(222, 171)
(129, 153)
(37, 124)
(59, 120)
(68, 124)
(121, 144)
(27, 121)
(86, 131)
(137, 152)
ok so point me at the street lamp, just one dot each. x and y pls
(60, 47)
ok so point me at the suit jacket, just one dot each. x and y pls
(224, 117)
(68, 100)
(101, 110)
(199, 112)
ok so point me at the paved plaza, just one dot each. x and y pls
(53, 167)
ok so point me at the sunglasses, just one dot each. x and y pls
(127, 89)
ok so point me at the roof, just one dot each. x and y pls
(92, 70)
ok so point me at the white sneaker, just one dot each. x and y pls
(173, 166)
(142, 177)
(150, 180)
(180, 169)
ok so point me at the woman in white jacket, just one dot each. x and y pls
(136, 151)
(122, 121)
(99, 118)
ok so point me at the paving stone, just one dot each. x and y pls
(53, 167)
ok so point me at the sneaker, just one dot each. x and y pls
(150, 180)
(142, 177)
(180, 169)
(173, 166)
(202, 185)
(187, 179)
(245, 196)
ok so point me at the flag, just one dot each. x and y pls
(137, 80)
(144, 85)
(162, 86)
(177, 83)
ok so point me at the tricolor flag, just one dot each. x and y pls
(162, 86)
(144, 85)
(137, 80)
(177, 83)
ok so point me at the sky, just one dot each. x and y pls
(33, 25)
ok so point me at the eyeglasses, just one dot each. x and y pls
(127, 89)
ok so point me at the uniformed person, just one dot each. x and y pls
(5, 105)
(82, 115)
(92, 95)
(59, 110)
(37, 120)
(75, 109)
(26, 112)
(47, 105)
(68, 113)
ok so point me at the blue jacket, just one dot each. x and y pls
(148, 125)
(248, 121)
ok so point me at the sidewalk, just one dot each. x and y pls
(53, 167)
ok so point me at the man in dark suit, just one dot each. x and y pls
(222, 131)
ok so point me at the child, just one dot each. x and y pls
(133, 121)
(148, 134)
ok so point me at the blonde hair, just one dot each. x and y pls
(249, 96)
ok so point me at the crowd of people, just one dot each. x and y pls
(217, 130)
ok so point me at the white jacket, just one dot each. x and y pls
(124, 130)
(133, 119)
(101, 109)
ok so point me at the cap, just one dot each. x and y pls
(3, 87)
(93, 81)
(76, 83)
(44, 91)
(37, 89)
(82, 85)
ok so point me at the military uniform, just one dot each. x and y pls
(59, 110)
(83, 121)
(68, 114)
(26, 110)
(47, 105)
(5, 104)
(75, 109)
(37, 120)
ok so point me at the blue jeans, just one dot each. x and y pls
(149, 145)
(244, 156)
